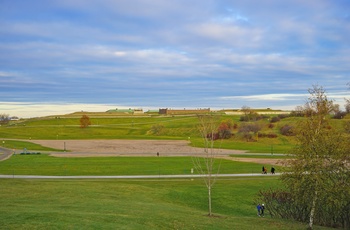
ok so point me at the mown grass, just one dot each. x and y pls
(48, 165)
(146, 204)
(14, 144)
(133, 127)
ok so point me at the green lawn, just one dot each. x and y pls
(15, 144)
(48, 165)
(135, 204)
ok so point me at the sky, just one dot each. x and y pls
(63, 56)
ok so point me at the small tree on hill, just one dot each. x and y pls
(4, 119)
(85, 121)
(205, 163)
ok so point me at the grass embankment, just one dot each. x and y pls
(47, 165)
(147, 204)
(13, 144)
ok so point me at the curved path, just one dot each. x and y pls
(5, 153)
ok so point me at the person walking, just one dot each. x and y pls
(262, 209)
(259, 209)
(272, 170)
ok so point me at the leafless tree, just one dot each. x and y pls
(205, 163)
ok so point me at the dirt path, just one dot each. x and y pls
(5, 153)
(101, 148)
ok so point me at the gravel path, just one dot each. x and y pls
(5, 153)
(104, 148)
(128, 147)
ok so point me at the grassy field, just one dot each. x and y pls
(47, 165)
(133, 204)
(15, 144)
(134, 127)
(146, 204)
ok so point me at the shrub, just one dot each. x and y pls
(270, 125)
(247, 130)
(347, 126)
(213, 136)
(268, 135)
(275, 119)
(251, 127)
(225, 134)
(224, 129)
(339, 115)
(287, 130)
(282, 116)
(282, 204)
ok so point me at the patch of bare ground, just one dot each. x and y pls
(108, 148)
(264, 161)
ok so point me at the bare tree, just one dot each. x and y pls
(4, 119)
(347, 102)
(205, 164)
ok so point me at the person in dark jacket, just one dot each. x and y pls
(259, 209)
(272, 170)
(262, 209)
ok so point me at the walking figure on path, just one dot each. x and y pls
(259, 209)
(262, 209)
(272, 170)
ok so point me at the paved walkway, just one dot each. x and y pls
(134, 177)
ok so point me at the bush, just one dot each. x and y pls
(29, 153)
(287, 130)
(247, 130)
(282, 204)
(225, 134)
(213, 136)
(339, 115)
(268, 135)
(252, 127)
(347, 126)
(282, 116)
(275, 119)
(224, 130)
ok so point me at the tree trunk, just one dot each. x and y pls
(312, 212)
(209, 200)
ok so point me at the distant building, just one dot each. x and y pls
(126, 111)
(183, 111)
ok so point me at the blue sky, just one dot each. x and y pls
(71, 55)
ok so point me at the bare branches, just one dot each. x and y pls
(205, 163)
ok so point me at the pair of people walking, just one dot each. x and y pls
(264, 170)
